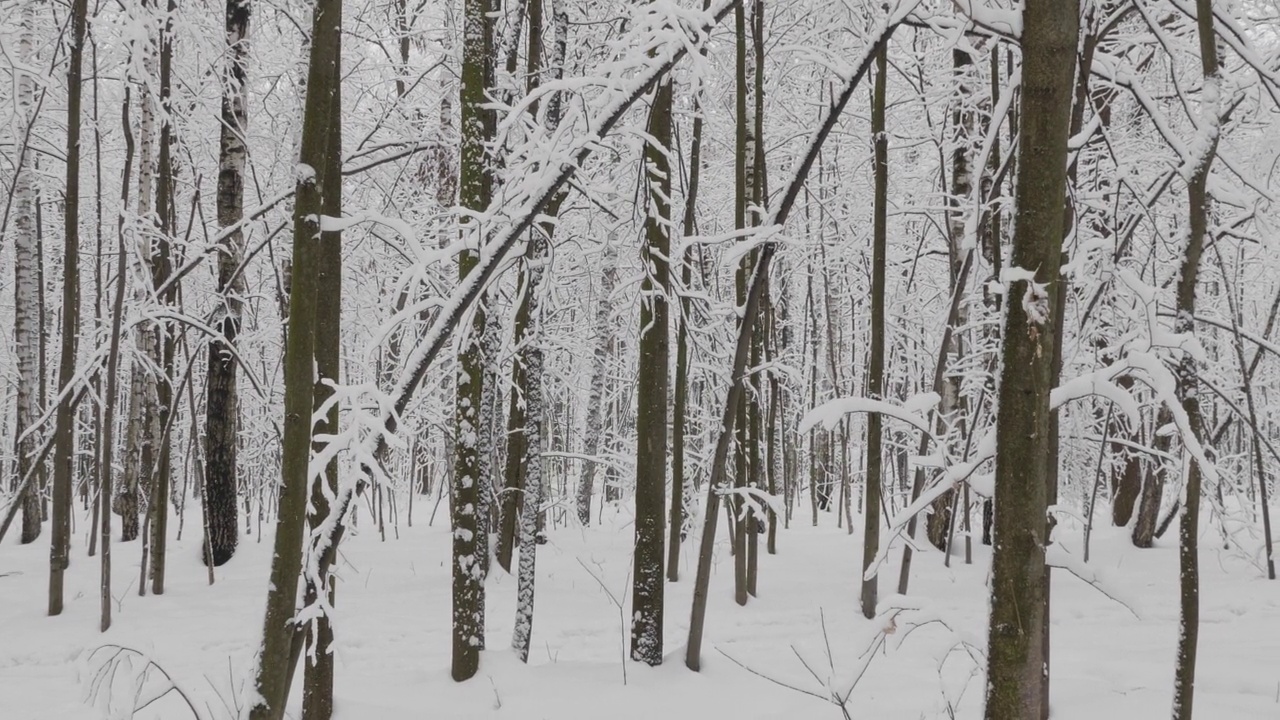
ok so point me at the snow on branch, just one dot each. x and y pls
(999, 21)
(829, 414)
(546, 166)
(1056, 555)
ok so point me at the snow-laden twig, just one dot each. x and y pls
(545, 170)
(1056, 555)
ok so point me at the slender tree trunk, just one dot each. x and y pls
(1186, 371)
(742, 351)
(530, 353)
(222, 398)
(26, 282)
(64, 430)
(952, 405)
(744, 199)
(648, 585)
(680, 490)
(161, 270)
(475, 190)
(875, 378)
(143, 429)
(1015, 664)
(274, 660)
(317, 695)
(593, 430)
(757, 176)
(113, 366)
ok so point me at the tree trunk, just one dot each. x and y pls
(26, 282)
(161, 269)
(681, 492)
(1144, 528)
(1186, 371)
(64, 430)
(593, 429)
(530, 352)
(222, 403)
(475, 190)
(962, 120)
(142, 434)
(648, 583)
(1015, 665)
(272, 680)
(875, 377)
(317, 694)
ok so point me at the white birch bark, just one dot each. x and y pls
(599, 372)
(26, 302)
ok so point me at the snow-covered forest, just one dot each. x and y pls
(383, 359)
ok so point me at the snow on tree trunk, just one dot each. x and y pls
(279, 637)
(474, 193)
(1198, 164)
(648, 582)
(531, 359)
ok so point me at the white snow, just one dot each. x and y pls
(393, 613)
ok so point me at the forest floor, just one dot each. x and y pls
(393, 633)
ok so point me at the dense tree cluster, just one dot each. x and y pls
(957, 267)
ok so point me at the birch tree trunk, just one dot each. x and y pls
(142, 430)
(962, 127)
(222, 404)
(27, 287)
(530, 353)
(593, 430)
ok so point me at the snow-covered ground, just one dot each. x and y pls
(393, 634)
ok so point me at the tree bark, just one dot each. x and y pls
(1015, 664)
(64, 431)
(317, 694)
(26, 282)
(161, 269)
(593, 431)
(475, 190)
(222, 398)
(648, 584)
(681, 492)
(274, 664)
(875, 377)
(1186, 372)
